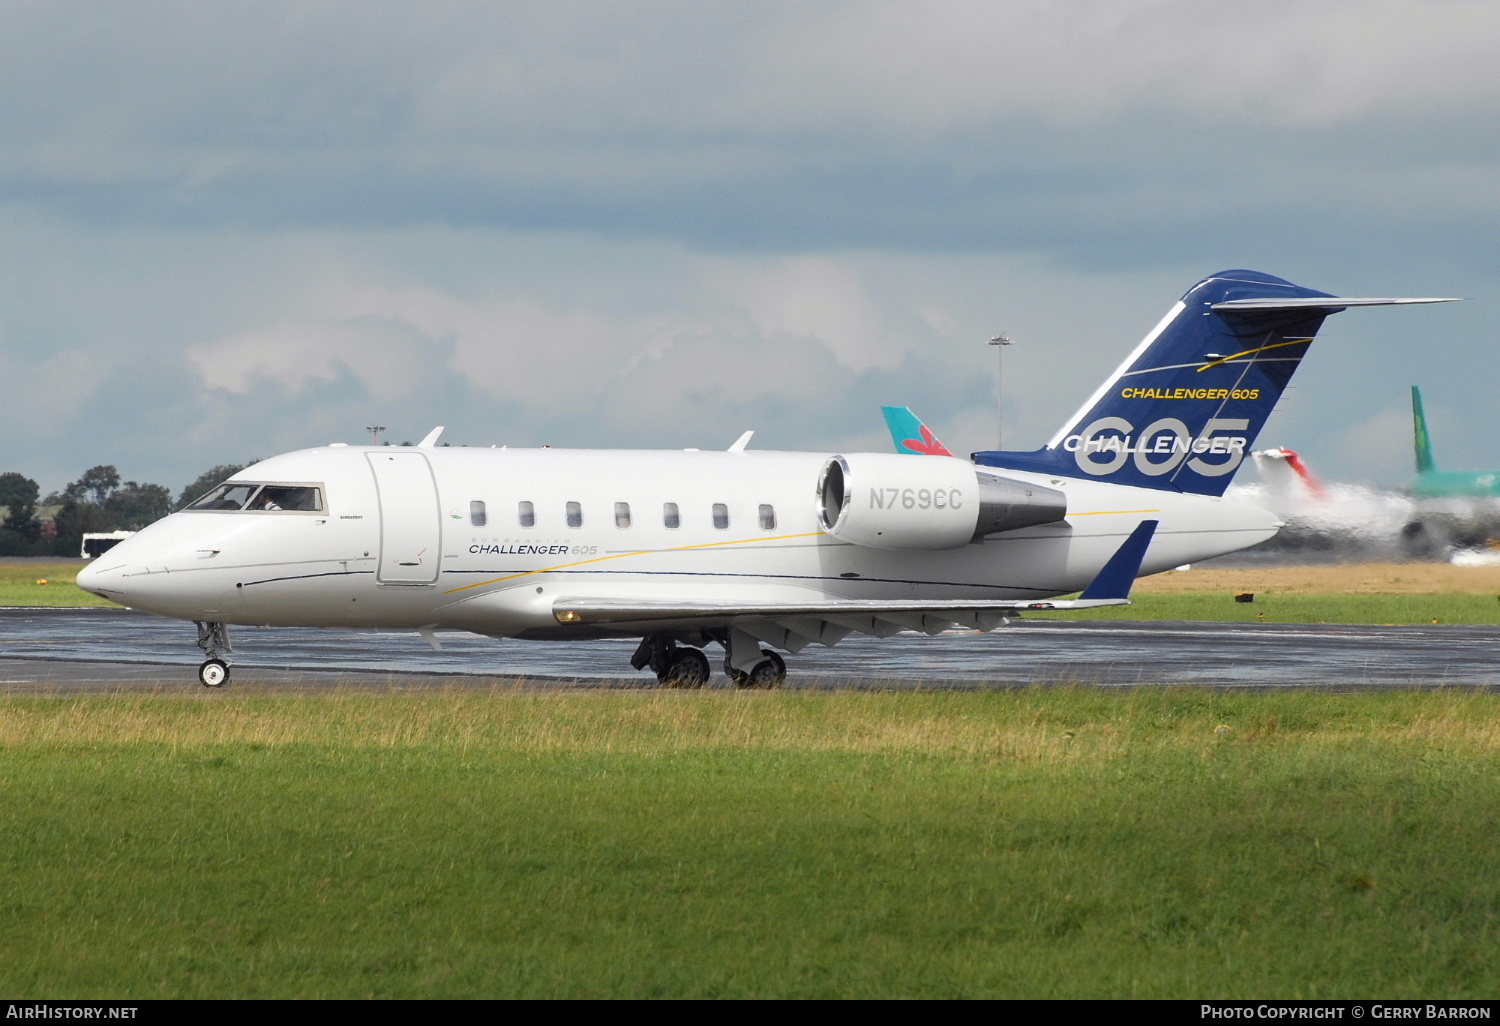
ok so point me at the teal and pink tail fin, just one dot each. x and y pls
(910, 435)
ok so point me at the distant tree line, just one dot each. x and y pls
(97, 501)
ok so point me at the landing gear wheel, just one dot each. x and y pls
(214, 673)
(688, 669)
(770, 672)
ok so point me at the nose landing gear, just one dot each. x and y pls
(213, 638)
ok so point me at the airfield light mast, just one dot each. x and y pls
(375, 430)
(1000, 341)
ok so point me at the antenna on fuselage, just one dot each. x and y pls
(375, 430)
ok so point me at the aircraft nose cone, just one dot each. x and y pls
(95, 578)
(88, 578)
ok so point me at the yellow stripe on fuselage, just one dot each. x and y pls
(623, 555)
(708, 545)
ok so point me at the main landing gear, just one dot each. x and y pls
(770, 672)
(213, 638)
(675, 666)
(684, 666)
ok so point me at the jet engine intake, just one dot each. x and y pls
(889, 501)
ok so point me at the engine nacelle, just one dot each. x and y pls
(891, 501)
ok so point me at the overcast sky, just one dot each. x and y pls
(228, 230)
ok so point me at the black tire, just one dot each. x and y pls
(770, 672)
(214, 673)
(688, 669)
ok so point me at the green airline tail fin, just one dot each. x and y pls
(1419, 427)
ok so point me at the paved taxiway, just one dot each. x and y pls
(94, 648)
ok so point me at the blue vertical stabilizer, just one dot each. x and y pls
(1183, 410)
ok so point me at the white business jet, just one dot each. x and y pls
(738, 548)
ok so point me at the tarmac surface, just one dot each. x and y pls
(107, 649)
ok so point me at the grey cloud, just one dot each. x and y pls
(1059, 129)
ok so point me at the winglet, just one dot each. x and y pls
(742, 441)
(1114, 581)
(430, 442)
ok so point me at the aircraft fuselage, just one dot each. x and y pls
(487, 540)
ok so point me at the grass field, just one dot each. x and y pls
(1057, 842)
(19, 587)
(1405, 593)
(1278, 608)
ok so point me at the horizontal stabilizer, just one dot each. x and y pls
(1113, 582)
(1316, 303)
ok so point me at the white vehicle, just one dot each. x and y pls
(684, 549)
(96, 543)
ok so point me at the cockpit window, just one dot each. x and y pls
(293, 498)
(230, 495)
(263, 498)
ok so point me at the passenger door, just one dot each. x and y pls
(410, 522)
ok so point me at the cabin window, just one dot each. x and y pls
(477, 516)
(622, 514)
(767, 517)
(721, 517)
(526, 513)
(575, 515)
(670, 518)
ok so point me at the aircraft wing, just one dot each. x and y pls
(794, 625)
(605, 610)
